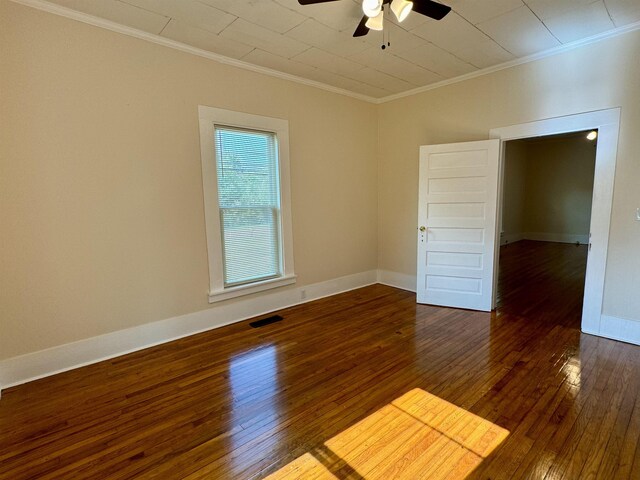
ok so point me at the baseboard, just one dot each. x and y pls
(617, 328)
(506, 238)
(614, 328)
(398, 280)
(556, 237)
(25, 368)
(32, 366)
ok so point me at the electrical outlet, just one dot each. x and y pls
(303, 294)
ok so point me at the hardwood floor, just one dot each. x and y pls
(244, 403)
(418, 435)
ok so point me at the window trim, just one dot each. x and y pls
(208, 118)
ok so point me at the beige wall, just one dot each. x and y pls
(598, 76)
(101, 215)
(548, 187)
(560, 186)
(514, 190)
(101, 209)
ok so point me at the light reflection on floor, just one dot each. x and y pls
(254, 383)
(573, 371)
(416, 436)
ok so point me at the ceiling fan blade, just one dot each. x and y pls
(361, 29)
(431, 9)
(311, 2)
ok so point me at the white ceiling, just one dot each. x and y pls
(315, 42)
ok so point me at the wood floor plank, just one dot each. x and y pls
(365, 384)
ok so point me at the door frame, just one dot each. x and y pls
(607, 122)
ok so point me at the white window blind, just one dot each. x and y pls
(249, 203)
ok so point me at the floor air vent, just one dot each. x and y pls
(266, 321)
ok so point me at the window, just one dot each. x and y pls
(249, 204)
(246, 189)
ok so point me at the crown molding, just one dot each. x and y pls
(150, 37)
(183, 47)
(518, 61)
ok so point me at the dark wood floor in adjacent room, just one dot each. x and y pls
(243, 403)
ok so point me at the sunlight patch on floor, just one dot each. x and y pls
(416, 436)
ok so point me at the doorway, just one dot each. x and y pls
(545, 224)
(607, 123)
(459, 216)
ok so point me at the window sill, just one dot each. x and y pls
(240, 290)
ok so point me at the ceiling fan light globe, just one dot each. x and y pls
(401, 9)
(371, 8)
(375, 23)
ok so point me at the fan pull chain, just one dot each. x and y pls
(386, 43)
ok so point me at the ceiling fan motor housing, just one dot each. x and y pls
(373, 9)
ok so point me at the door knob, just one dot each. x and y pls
(422, 228)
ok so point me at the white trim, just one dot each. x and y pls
(397, 280)
(183, 47)
(507, 238)
(25, 368)
(132, 32)
(233, 292)
(499, 225)
(515, 62)
(209, 117)
(557, 237)
(557, 125)
(617, 328)
(607, 122)
(32, 366)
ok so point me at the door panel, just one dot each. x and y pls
(457, 208)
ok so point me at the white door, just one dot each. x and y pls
(456, 224)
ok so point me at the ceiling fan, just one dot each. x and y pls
(374, 11)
